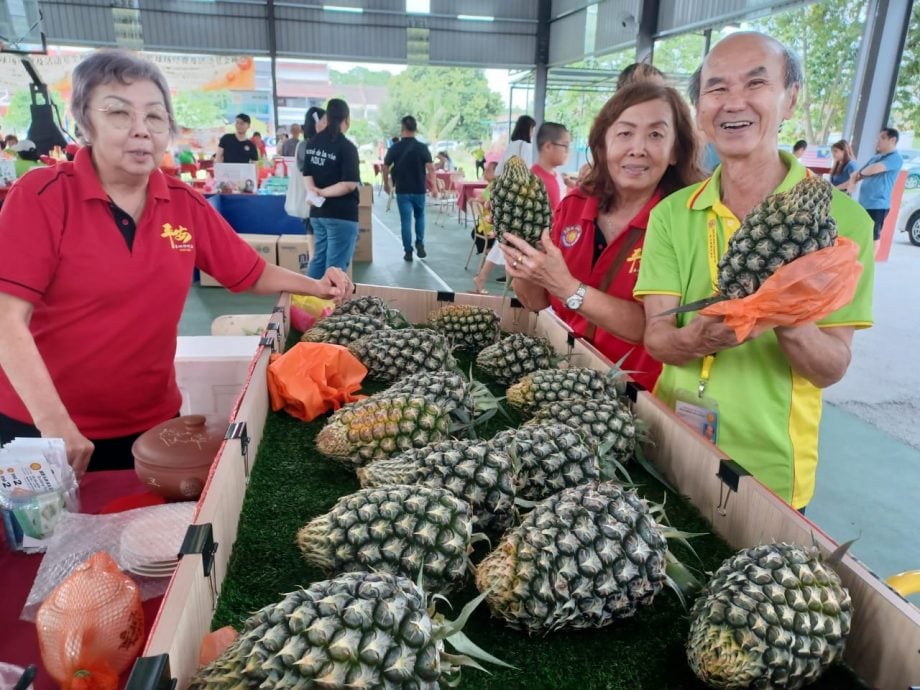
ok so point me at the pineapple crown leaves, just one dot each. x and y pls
(610, 467)
(452, 632)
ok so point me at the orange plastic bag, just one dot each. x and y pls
(312, 378)
(213, 644)
(91, 626)
(803, 291)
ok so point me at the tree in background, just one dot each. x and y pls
(826, 35)
(906, 106)
(200, 109)
(448, 102)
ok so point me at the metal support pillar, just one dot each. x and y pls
(876, 73)
(647, 28)
(273, 54)
(541, 59)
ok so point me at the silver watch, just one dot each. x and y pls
(574, 302)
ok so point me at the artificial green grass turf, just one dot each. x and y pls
(291, 484)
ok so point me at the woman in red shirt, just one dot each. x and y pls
(644, 147)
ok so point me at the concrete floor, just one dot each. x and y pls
(869, 476)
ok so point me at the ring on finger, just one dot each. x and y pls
(514, 264)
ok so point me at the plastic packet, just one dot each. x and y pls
(37, 486)
(144, 542)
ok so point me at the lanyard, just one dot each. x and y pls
(712, 244)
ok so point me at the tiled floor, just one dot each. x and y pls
(868, 480)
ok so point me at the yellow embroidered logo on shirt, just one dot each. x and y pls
(179, 238)
(634, 260)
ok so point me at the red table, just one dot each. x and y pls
(19, 641)
(468, 190)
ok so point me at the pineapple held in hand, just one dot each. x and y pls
(519, 202)
(779, 230)
(359, 630)
(772, 616)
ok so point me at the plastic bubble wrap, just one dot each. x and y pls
(143, 542)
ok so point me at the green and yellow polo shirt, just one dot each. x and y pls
(769, 415)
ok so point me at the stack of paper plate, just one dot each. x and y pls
(150, 542)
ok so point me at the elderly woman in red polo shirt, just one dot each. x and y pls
(644, 147)
(97, 260)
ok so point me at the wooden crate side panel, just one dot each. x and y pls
(416, 305)
(884, 644)
(188, 606)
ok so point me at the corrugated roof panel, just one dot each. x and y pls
(567, 39)
(617, 25)
(321, 41)
(78, 23)
(222, 27)
(483, 49)
(679, 16)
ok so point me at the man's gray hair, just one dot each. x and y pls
(793, 72)
(105, 67)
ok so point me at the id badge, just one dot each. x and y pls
(700, 412)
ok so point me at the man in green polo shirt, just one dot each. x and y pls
(759, 400)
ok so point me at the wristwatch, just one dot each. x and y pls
(574, 302)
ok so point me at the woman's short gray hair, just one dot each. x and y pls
(105, 67)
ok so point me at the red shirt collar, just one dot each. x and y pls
(590, 209)
(87, 179)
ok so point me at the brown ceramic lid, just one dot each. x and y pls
(188, 441)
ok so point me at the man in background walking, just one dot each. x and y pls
(289, 147)
(410, 161)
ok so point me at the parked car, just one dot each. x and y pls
(909, 217)
(913, 176)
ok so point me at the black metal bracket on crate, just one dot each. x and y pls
(632, 390)
(446, 296)
(516, 303)
(570, 339)
(238, 430)
(151, 673)
(277, 310)
(729, 474)
(199, 539)
(273, 326)
(269, 340)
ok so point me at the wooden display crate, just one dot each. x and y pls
(884, 644)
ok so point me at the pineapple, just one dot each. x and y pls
(370, 305)
(547, 458)
(546, 386)
(383, 425)
(358, 630)
(471, 470)
(519, 202)
(344, 329)
(449, 388)
(403, 530)
(780, 229)
(609, 424)
(389, 355)
(515, 356)
(467, 327)
(772, 616)
(580, 559)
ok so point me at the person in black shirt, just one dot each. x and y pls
(237, 148)
(331, 172)
(411, 163)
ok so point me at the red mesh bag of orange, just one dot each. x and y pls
(91, 626)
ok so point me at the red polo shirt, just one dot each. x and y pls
(555, 188)
(574, 227)
(105, 317)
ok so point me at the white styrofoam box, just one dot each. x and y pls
(211, 371)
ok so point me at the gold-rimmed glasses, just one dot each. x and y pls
(122, 116)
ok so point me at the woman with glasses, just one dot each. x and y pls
(643, 147)
(90, 304)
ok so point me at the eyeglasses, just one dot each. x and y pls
(564, 146)
(121, 116)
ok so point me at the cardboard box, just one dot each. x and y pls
(364, 247)
(293, 253)
(265, 245)
(366, 195)
(211, 371)
(365, 217)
